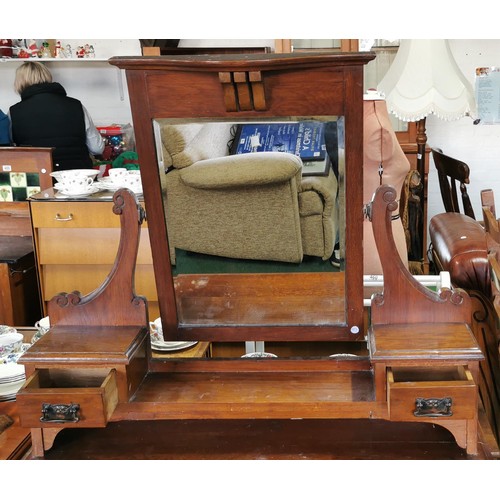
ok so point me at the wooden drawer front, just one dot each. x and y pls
(85, 246)
(85, 279)
(93, 390)
(74, 214)
(431, 386)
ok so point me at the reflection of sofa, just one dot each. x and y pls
(250, 206)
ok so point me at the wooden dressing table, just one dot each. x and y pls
(95, 366)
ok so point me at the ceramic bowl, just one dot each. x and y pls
(7, 329)
(62, 175)
(10, 342)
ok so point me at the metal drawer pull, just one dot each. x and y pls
(63, 219)
(60, 413)
(433, 407)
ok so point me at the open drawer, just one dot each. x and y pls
(68, 397)
(416, 393)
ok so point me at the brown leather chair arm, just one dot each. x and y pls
(460, 246)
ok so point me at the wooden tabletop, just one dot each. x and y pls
(13, 248)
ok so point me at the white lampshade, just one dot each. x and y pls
(424, 79)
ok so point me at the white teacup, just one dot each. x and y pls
(43, 323)
(132, 181)
(117, 175)
(77, 184)
(156, 330)
(42, 326)
(10, 342)
(7, 329)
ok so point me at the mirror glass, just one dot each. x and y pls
(315, 43)
(243, 218)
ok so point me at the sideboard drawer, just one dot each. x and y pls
(68, 397)
(74, 214)
(76, 243)
(436, 393)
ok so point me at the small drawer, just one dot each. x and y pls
(431, 393)
(68, 397)
(75, 214)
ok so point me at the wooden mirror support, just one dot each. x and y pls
(234, 88)
(422, 349)
(117, 293)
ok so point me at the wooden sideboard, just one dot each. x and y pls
(76, 242)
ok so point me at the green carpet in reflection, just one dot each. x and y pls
(197, 263)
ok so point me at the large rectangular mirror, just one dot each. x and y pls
(245, 216)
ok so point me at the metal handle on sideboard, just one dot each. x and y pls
(63, 219)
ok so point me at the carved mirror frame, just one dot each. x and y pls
(249, 87)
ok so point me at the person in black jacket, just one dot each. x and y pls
(47, 117)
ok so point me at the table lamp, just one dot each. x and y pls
(424, 79)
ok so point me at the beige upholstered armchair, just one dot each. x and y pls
(249, 206)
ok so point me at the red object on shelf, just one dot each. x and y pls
(113, 130)
(6, 47)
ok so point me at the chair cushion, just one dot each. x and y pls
(185, 144)
(252, 169)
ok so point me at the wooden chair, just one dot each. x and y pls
(490, 222)
(450, 172)
(488, 200)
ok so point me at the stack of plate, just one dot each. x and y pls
(12, 378)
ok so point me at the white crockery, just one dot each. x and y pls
(157, 342)
(42, 326)
(259, 355)
(116, 175)
(132, 181)
(156, 330)
(43, 323)
(62, 175)
(7, 329)
(76, 185)
(10, 342)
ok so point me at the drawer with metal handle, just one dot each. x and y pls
(68, 398)
(417, 393)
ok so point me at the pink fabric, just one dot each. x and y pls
(380, 142)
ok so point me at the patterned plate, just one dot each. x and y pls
(171, 346)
